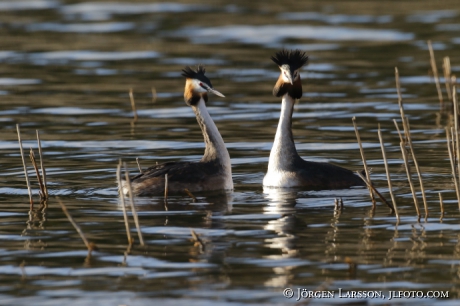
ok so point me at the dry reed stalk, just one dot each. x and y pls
(406, 164)
(401, 106)
(452, 164)
(133, 209)
(364, 162)
(385, 162)
(42, 191)
(90, 246)
(126, 253)
(190, 194)
(25, 168)
(123, 205)
(372, 187)
(435, 72)
(441, 204)
(40, 153)
(197, 240)
(133, 104)
(399, 132)
(405, 122)
(454, 151)
(154, 95)
(456, 129)
(166, 187)
(419, 173)
(400, 138)
(447, 75)
(166, 194)
(398, 91)
(139, 165)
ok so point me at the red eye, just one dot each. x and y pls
(202, 86)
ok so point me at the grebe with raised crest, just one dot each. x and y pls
(285, 167)
(213, 171)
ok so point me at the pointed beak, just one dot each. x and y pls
(291, 76)
(210, 89)
(216, 92)
(287, 74)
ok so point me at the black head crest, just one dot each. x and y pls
(196, 74)
(294, 58)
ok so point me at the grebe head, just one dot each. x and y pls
(289, 63)
(197, 85)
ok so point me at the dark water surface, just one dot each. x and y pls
(66, 69)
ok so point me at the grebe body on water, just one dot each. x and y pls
(212, 172)
(285, 167)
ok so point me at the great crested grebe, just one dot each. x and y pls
(213, 171)
(285, 167)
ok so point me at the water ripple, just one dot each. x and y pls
(106, 27)
(15, 5)
(104, 11)
(271, 35)
(14, 81)
(335, 19)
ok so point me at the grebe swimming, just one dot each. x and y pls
(285, 167)
(213, 171)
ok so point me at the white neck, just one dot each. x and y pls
(283, 150)
(215, 146)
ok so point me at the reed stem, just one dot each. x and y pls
(385, 162)
(456, 129)
(197, 241)
(40, 153)
(133, 104)
(25, 168)
(368, 177)
(405, 122)
(75, 225)
(139, 165)
(406, 164)
(398, 91)
(401, 139)
(450, 140)
(166, 187)
(190, 194)
(435, 72)
(441, 204)
(414, 159)
(40, 183)
(370, 186)
(447, 75)
(133, 209)
(123, 204)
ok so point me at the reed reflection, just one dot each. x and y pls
(35, 224)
